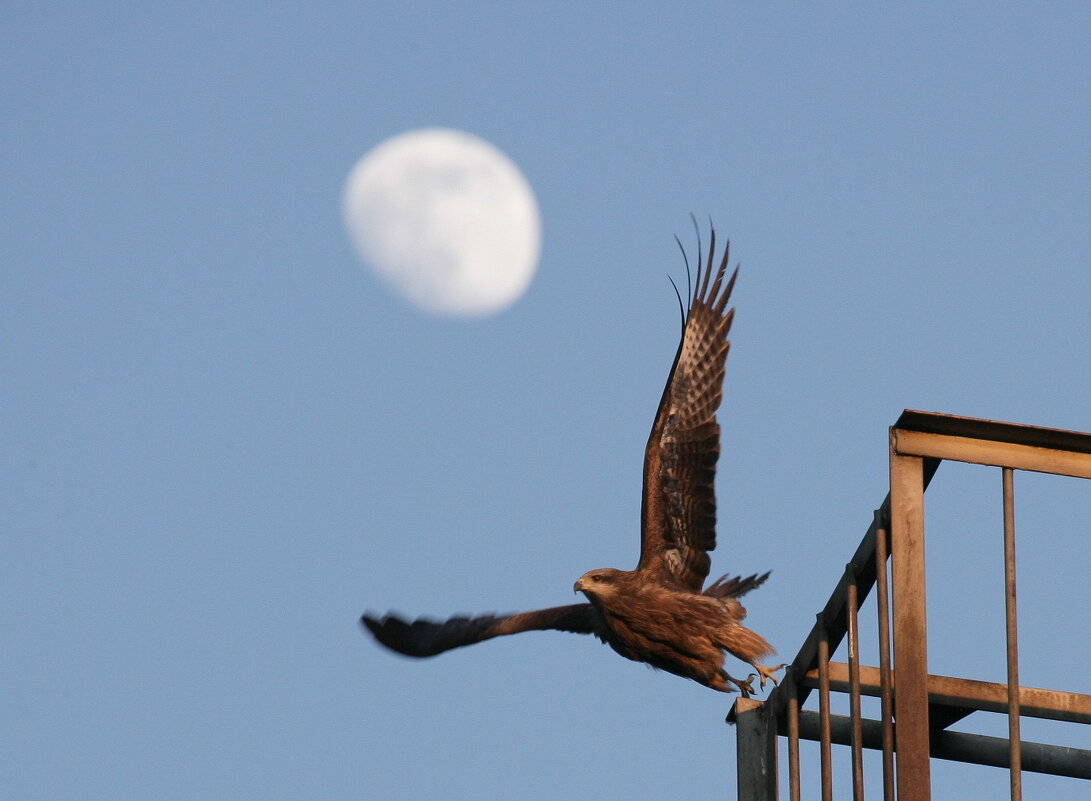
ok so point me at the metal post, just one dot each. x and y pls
(854, 686)
(755, 751)
(882, 598)
(824, 708)
(910, 627)
(1010, 619)
(793, 735)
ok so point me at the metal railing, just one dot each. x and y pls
(916, 708)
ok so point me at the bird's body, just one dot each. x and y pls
(660, 613)
(671, 629)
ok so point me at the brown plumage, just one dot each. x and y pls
(657, 613)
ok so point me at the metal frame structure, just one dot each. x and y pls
(916, 707)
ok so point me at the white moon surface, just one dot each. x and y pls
(446, 219)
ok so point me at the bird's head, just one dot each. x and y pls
(595, 583)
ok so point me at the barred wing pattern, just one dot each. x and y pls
(678, 514)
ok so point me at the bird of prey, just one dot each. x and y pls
(660, 613)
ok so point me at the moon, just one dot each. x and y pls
(446, 220)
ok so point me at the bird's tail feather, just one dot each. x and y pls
(747, 645)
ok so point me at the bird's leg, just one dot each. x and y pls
(745, 687)
(764, 673)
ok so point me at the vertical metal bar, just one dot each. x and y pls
(885, 695)
(793, 736)
(910, 627)
(1010, 618)
(854, 686)
(825, 738)
(755, 751)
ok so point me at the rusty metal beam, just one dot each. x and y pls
(994, 430)
(854, 686)
(886, 676)
(998, 454)
(794, 789)
(976, 749)
(1011, 621)
(911, 734)
(948, 691)
(826, 753)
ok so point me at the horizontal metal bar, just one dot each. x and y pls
(968, 693)
(991, 452)
(975, 428)
(976, 749)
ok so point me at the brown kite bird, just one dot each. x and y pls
(657, 613)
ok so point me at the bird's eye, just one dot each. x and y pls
(596, 577)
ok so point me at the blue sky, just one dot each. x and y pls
(221, 439)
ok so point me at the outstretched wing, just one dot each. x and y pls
(423, 637)
(678, 511)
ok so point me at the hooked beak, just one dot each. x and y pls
(577, 586)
